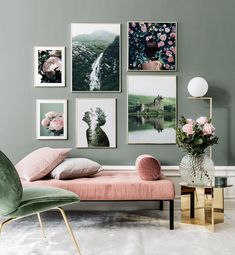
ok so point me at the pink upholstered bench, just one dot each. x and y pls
(118, 186)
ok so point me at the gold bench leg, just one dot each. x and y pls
(69, 229)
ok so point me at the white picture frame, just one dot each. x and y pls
(51, 119)
(49, 66)
(96, 123)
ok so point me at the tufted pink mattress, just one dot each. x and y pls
(114, 185)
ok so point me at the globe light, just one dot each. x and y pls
(197, 87)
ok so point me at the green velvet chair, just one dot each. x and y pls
(17, 202)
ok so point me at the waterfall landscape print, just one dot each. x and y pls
(152, 109)
(95, 57)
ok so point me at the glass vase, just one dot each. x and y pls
(197, 170)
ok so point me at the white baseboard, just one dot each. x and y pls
(228, 171)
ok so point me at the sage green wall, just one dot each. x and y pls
(205, 48)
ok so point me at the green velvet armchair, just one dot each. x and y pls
(17, 202)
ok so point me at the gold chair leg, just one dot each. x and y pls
(5, 222)
(41, 225)
(69, 229)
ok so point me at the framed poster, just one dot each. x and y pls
(51, 119)
(152, 46)
(152, 109)
(49, 66)
(96, 122)
(96, 57)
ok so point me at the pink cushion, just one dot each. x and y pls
(148, 167)
(115, 185)
(40, 163)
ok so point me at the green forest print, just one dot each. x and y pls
(95, 61)
(95, 119)
(152, 46)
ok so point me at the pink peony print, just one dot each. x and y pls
(56, 53)
(54, 122)
(50, 115)
(173, 35)
(170, 42)
(52, 65)
(57, 124)
(45, 122)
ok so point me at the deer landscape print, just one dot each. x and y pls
(152, 109)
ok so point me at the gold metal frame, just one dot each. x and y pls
(42, 228)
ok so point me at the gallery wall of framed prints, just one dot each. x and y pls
(96, 65)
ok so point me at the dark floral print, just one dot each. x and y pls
(152, 46)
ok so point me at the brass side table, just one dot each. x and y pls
(202, 205)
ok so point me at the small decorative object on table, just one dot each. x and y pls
(196, 168)
(220, 181)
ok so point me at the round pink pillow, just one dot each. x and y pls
(148, 167)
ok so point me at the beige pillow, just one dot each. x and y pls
(75, 168)
(40, 163)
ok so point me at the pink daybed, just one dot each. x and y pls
(117, 186)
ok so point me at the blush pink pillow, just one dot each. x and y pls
(40, 163)
(148, 167)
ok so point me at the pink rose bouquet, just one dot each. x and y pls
(54, 122)
(194, 136)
